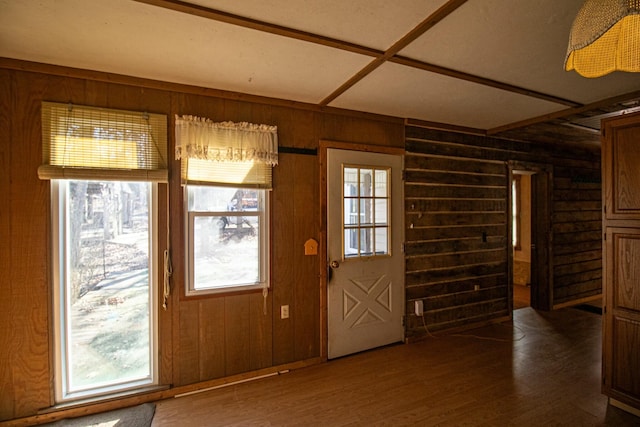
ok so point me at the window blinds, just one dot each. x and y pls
(81, 142)
(232, 174)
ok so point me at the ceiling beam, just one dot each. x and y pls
(445, 127)
(380, 56)
(408, 62)
(437, 16)
(566, 112)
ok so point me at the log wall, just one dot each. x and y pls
(457, 198)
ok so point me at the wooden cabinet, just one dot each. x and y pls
(621, 262)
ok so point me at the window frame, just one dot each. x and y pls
(60, 263)
(264, 243)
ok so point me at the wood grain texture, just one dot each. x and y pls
(237, 336)
(621, 223)
(260, 332)
(29, 256)
(165, 335)
(456, 216)
(450, 381)
(626, 158)
(211, 340)
(7, 399)
(282, 268)
(306, 308)
(187, 352)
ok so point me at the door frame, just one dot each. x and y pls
(542, 290)
(324, 145)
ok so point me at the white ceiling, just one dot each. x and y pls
(516, 45)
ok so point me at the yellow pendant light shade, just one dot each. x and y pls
(605, 37)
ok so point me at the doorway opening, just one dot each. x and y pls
(530, 225)
(521, 238)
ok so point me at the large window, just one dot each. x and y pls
(227, 239)
(104, 286)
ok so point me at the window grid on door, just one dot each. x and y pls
(365, 205)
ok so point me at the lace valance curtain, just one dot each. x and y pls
(203, 139)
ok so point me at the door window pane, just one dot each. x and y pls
(381, 211)
(382, 240)
(381, 187)
(366, 211)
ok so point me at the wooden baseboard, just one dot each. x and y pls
(624, 407)
(53, 414)
(577, 302)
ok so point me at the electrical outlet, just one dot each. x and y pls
(284, 311)
(419, 308)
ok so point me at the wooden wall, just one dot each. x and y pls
(200, 338)
(456, 218)
(456, 199)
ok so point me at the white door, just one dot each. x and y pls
(365, 300)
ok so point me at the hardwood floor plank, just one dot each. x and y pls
(542, 370)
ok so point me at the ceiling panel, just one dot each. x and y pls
(520, 42)
(375, 24)
(407, 92)
(514, 42)
(131, 38)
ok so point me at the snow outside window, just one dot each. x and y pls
(227, 239)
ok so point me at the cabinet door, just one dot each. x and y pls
(621, 166)
(621, 361)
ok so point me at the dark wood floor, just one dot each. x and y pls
(544, 371)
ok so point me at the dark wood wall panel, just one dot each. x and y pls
(282, 269)
(211, 343)
(7, 388)
(200, 338)
(456, 215)
(455, 218)
(28, 209)
(361, 129)
(306, 219)
(577, 233)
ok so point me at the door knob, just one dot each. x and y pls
(334, 264)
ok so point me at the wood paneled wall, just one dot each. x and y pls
(200, 338)
(456, 198)
(456, 218)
